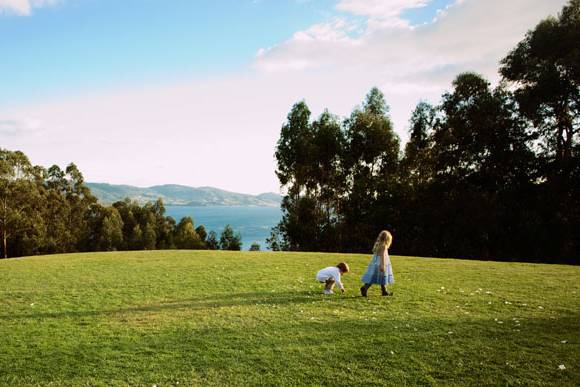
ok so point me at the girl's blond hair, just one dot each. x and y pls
(384, 239)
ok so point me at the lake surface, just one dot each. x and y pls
(254, 223)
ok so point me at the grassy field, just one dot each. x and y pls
(237, 318)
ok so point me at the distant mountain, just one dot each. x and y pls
(180, 195)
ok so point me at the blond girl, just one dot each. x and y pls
(380, 270)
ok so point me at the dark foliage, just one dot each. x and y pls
(44, 211)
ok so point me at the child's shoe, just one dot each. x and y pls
(363, 291)
(327, 291)
(386, 293)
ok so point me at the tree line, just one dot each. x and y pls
(45, 211)
(488, 173)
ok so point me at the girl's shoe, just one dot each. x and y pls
(326, 291)
(363, 291)
(386, 294)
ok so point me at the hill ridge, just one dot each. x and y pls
(182, 195)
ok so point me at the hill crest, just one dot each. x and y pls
(181, 195)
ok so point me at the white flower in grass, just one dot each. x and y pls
(442, 287)
(540, 307)
(450, 332)
(32, 304)
(562, 367)
(392, 352)
(489, 302)
(564, 341)
(488, 292)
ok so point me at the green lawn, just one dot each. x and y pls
(239, 318)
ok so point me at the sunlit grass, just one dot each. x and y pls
(229, 318)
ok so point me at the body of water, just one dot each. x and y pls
(254, 223)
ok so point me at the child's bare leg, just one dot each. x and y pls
(329, 284)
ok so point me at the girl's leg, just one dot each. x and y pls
(364, 289)
(384, 291)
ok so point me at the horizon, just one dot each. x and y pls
(196, 92)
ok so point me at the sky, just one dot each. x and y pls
(194, 92)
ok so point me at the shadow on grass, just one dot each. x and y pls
(215, 301)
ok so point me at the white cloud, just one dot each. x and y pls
(23, 7)
(380, 12)
(408, 63)
(19, 127)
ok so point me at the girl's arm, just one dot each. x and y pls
(382, 253)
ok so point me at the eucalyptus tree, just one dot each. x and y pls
(481, 155)
(371, 163)
(294, 151)
(105, 229)
(297, 168)
(328, 176)
(416, 165)
(20, 203)
(229, 240)
(212, 242)
(545, 69)
(185, 236)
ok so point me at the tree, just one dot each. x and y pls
(164, 225)
(149, 233)
(416, 166)
(19, 201)
(212, 242)
(328, 175)
(109, 229)
(294, 150)
(371, 162)
(337, 177)
(545, 67)
(185, 235)
(200, 230)
(480, 141)
(278, 239)
(229, 241)
(255, 247)
(481, 155)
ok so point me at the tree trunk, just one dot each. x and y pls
(4, 236)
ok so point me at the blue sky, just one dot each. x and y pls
(79, 44)
(194, 92)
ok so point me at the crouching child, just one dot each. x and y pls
(330, 276)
